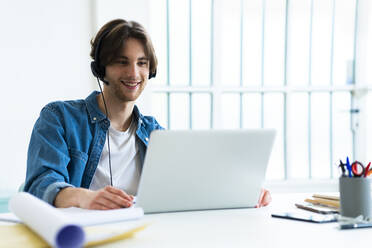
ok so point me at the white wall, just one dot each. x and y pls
(44, 49)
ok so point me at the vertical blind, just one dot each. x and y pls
(283, 64)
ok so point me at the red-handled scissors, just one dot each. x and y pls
(366, 172)
(357, 168)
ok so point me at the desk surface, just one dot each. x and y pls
(243, 228)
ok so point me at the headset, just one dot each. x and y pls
(99, 72)
(97, 69)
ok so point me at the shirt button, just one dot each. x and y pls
(147, 139)
(94, 118)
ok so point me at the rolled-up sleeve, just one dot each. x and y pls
(48, 156)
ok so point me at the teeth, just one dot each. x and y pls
(130, 84)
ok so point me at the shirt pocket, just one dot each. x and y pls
(78, 155)
(76, 167)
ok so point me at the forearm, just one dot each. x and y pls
(48, 157)
(70, 197)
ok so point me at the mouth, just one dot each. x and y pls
(132, 85)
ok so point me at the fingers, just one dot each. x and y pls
(264, 199)
(259, 204)
(111, 201)
(119, 192)
(110, 198)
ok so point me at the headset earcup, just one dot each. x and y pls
(93, 67)
(152, 75)
(102, 73)
(98, 71)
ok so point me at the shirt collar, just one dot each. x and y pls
(96, 115)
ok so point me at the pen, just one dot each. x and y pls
(367, 169)
(10, 220)
(348, 166)
(356, 225)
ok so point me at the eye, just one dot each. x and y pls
(122, 62)
(142, 63)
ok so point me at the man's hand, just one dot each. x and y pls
(103, 199)
(265, 198)
(107, 198)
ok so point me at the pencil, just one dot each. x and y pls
(327, 197)
(325, 202)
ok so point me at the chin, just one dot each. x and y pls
(129, 98)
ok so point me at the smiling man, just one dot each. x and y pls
(89, 153)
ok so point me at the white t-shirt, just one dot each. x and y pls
(125, 162)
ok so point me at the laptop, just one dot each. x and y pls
(201, 170)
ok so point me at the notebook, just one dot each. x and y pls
(207, 169)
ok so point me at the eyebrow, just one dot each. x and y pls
(140, 58)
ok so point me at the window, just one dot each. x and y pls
(287, 65)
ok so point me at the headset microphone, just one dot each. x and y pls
(108, 132)
(99, 72)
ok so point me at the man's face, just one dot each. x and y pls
(128, 74)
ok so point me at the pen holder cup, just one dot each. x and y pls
(355, 197)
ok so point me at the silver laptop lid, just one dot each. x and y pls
(210, 169)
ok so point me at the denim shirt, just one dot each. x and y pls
(66, 145)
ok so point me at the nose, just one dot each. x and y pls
(132, 71)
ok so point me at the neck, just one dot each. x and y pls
(119, 113)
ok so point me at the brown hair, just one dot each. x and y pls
(115, 33)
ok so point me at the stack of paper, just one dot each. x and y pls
(323, 204)
(68, 227)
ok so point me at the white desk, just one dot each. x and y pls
(244, 228)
